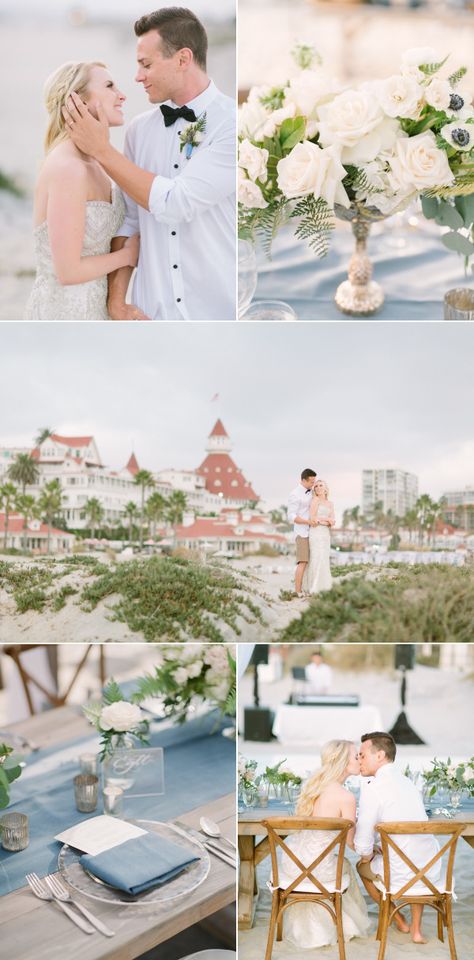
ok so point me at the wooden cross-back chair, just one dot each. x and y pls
(28, 680)
(282, 898)
(440, 897)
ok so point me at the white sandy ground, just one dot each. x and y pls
(440, 708)
(73, 624)
(43, 48)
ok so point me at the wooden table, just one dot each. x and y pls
(33, 930)
(252, 852)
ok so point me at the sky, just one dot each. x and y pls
(336, 397)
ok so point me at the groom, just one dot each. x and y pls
(299, 503)
(390, 796)
(178, 178)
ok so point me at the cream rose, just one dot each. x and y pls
(194, 669)
(414, 58)
(310, 169)
(438, 94)
(253, 160)
(310, 88)
(355, 120)
(276, 119)
(251, 119)
(249, 193)
(418, 163)
(120, 716)
(400, 97)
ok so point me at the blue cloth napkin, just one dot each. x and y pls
(139, 864)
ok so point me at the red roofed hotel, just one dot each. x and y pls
(222, 476)
(36, 535)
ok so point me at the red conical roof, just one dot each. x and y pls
(132, 465)
(218, 430)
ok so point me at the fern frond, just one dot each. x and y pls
(316, 223)
(274, 98)
(112, 692)
(429, 69)
(457, 76)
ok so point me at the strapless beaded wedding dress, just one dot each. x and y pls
(318, 573)
(308, 925)
(49, 300)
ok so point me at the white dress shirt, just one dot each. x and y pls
(319, 677)
(299, 503)
(187, 264)
(389, 797)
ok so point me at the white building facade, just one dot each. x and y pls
(396, 489)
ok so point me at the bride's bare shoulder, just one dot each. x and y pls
(64, 160)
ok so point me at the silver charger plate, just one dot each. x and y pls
(187, 881)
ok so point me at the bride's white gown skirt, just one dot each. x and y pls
(318, 573)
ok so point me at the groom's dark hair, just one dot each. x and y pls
(306, 474)
(382, 741)
(178, 27)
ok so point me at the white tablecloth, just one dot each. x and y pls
(293, 724)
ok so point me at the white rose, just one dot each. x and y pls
(218, 691)
(120, 716)
(253, 160)
(181, 675)
(459, 135)
(418, 163)
(191, 652)
(468, 776)
(276, 118)
(250, 194)
(438, 94)
(452, 770)
(400, 97)
(194, 669)
(414, 58)
(355, 120)
(251, 119)
(310, 88)
(310, 169)
(216, 657)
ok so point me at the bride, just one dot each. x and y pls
(77, 210)
(318, 573)
(308, 924)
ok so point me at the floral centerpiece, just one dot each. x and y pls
(191, 673)
(118, 721)
(10, 770)
(248, 781)
(314, 149)
(281, 782)
(454, 777)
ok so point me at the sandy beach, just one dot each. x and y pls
(24, 118)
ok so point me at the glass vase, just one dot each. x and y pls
(359, 295)
(116, 771)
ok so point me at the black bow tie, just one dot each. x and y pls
(171, 114)
(308, 491)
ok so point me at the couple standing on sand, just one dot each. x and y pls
(312, 515)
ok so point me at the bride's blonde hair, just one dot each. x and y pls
(73, 76)
(326, 488)
(335, 757)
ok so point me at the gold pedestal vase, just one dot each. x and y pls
(359, 296)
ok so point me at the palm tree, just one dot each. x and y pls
(8, 494)
(26, 504)
(423, 507)
(175, 507)
(94, 513)
(131, 511)
(410, 521)
(355, 517)
(24, 471)
(155, 510)
(144, 480)
(43, 434)
(49, 504)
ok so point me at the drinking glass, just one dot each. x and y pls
(88, 763)
(113, 801)
(459, 304)
(14, 831)
(86, 791)
(247, 275)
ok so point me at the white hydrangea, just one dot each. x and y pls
(216, 657)
(121, 716)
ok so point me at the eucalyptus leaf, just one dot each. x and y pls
(458, 243)
(429, 206)
(465, 206)
(448, 216)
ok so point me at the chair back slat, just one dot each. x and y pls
(339, 826)
(419, 828)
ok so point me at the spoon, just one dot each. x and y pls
(213, 830)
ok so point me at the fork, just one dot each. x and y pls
(41, 892)
(61, 893)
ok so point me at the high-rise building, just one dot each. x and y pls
(395, 489)
(459, 508)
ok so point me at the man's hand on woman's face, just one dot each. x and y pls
(89, 135)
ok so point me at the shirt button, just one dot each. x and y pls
(176, 165)
(178, 299)
(173, 233)
(175, 266)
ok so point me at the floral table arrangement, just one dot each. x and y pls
(10, 770)
(118, 721)
(313, 149)
(248, 781)
(453, 779)
(190, 674)
(282, 784)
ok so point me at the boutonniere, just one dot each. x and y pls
(192, 136)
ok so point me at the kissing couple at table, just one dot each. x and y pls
(386, 795)
(312, 514)
(174, 215)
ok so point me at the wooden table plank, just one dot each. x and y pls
(34, 930)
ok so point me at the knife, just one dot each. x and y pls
(211, 847)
